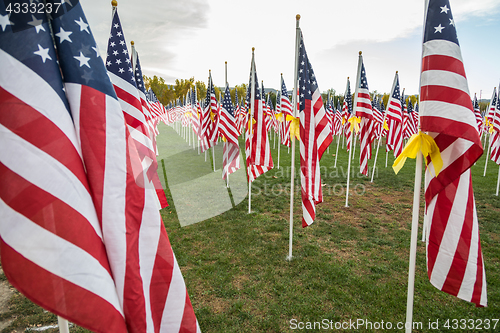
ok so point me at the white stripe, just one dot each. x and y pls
(114, 193)
(442, 47)
(467, 287)
(56, 255)
(447, 111)
(444, 78)
(176, 300)
(37, 93)
(42, 170)
(140, 138)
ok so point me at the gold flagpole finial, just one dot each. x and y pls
(114, 3)
(360, 52)
(297, 17)
(253, 49)
(132, 43)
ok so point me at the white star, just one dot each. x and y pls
(116, 25)
(83, 60)
(439, 28)
(128, 61)
(444, 9)
(44, 53)
(64, 35)
(130, 68)
(112, 44)
(108, 63)
(122, 42)
(83, 25)
(121, 70)
(118, 61)
(4, 21)
(119, 33)
(452, 22)
(115, 52)
(36, 23)
(124, 51)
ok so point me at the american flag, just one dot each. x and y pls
(86, 177)
(378, 118)
(315, 136)
(454, 258)
(477, 113)
(286, 110)
(44, 256)
(143, 260)
(495, 139)
(207, 124)
(227, 127)
(329, 112)
(337, 120)
(257, 148)
(346, 114)
(363, 109)
(416, 117)
(490, 112)
(394, 117)
(411, 127)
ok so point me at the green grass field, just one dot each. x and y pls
(350, 265)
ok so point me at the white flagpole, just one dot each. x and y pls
(358, 75)
(63, 325)
(337, 152)
(227, 173)
(487, 155)
(413, 243)
(498, 181)
(386, 157)
(250, 123)
(295, 114)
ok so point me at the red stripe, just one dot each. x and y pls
(449, 127)
(445, 94)
(59, 296)
(128, 98)
(93, 141)
(133, 302)
(456, 273)
(41, 132)
(478, 286)
(188, 323)
(438, 62)
(50, 213)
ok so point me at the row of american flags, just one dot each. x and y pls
(78, 139)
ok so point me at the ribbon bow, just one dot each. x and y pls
(279, 116)
(294, 126)
(424, 143)
(385, 125)
(212, 115)
(251, 121)
(355, 121)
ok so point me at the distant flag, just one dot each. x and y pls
(378, 118)
(411, 127)
(315, 136)
(495, 140)
(227, 127)
(490, 112)
(346, 114)
(454, 257)
(363, 110)
(257, 148)
(286, 110)
(337, 120)
(207, 117)
(394, 117)
(477, 113)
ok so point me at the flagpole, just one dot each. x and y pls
(498, 181)
(294, 110)
(337, 152)
(487, 153)
(353, 140)
(63, 325)
(413, 243)
(250, 125)
(227, 173)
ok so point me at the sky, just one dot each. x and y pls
(183, 39)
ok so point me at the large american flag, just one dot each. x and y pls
(394, 117)
(257, 148)
(85, 161)
(454, 258)
(315, 136)
(148, 278)
(227, 127)
(363, 109)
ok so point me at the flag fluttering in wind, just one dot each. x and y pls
(286, 111)
(227, 127)
(207, 118)
(115, 253)
(454, 258)
(394, 117)
(315, 136)
(347, 114)
(495, 139)
(363, 110)
(257, 148)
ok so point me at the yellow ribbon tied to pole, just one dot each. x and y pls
(279, 116)
(355, 121)
(386, 127)
(251, 121)
(212, 115)
(424, 143)
(294, 126)
(188, 114)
